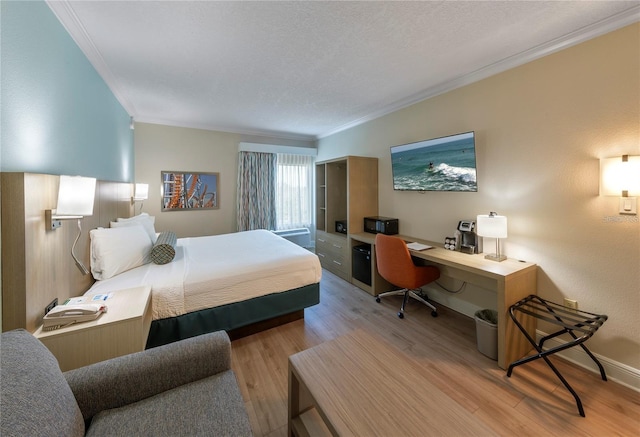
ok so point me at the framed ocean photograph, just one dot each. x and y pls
(182, 191)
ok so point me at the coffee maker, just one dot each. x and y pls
(467, 238)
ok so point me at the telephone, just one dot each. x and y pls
(65, 315)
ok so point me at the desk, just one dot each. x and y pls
(512, 281)
(359, 385)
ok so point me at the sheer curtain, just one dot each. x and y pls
(256, 191)
(294, 191)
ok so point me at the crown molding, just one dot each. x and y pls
(63, 10)
(607, 25)
(247, 132)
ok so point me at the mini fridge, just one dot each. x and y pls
(361, 263)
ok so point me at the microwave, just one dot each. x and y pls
(381, 225)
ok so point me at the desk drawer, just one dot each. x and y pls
(335, 243)
(336, 266)
(332, 250)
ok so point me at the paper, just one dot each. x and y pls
(418, 246)
(98, 297)
(87, 299)
(76, 300)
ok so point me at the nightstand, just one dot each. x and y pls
(122, 330)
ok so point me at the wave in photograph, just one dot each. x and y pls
(446, 166)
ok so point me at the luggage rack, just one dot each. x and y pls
(580, 325)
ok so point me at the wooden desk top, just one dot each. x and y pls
(473, 263)
(363, 386)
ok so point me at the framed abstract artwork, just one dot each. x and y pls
(183, 191)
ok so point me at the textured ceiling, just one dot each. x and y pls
(306, 69)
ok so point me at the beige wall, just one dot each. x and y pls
(165, 148)
(540, 130)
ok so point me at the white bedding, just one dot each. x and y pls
(217, 270)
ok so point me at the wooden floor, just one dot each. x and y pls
(532, 402)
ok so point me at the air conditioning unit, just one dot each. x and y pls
(299, 236)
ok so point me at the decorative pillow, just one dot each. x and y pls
(145, 220)
(164, 248)
(116, 250)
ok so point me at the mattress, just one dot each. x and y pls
(218, 270)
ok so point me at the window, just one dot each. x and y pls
(294, 191)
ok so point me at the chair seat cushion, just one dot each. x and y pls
(210, 406)
(35, 396)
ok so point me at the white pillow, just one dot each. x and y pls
(116, 250)
(145, 220)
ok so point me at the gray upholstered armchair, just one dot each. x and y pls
(183, 388)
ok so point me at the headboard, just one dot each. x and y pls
(36, 262)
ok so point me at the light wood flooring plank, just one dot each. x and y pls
(532, 402)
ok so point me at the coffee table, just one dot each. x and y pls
(360, 385)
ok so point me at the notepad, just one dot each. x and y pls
(418, 246)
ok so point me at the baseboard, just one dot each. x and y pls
(618, 372)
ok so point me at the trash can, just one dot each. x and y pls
(487, 332)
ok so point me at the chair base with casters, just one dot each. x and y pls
(409, 293)
(396, 266)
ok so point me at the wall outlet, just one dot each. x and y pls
(51, 305)
(571, 303)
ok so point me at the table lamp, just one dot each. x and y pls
(493, 226)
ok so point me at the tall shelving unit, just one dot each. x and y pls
(346, 189)
(321, 197)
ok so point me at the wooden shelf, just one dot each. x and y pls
(346, 190)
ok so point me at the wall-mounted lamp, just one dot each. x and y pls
(620, 177)
(75, 201)
(140, 193)
(493, 226)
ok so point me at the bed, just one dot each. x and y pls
(216, 282)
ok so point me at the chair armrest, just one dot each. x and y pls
(131, 378)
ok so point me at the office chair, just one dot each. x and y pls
(395, 264)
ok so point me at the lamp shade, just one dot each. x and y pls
(618, 175)
(75, 196)
(491, 225)
(141, 192)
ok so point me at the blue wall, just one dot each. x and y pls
(58, 115)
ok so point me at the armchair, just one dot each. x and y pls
(183, 388)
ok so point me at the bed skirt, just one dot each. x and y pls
(232, 316)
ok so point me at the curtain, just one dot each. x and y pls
(256, 191)
(294, 192)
